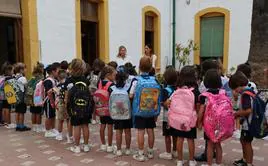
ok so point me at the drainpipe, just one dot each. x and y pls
(173, 32)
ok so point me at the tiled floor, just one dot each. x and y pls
(30, 149)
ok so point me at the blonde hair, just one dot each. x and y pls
(18, 67)
(77, 67)
(119, 49)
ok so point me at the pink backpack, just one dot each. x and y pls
(39, 93)
(101, 99)
(219, 119)
(182, 114)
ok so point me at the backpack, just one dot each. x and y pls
(79, 101)
(146, 102)
(39, 93)
(119, 104)
(101, 99)
(29, 92)
(2, 85)
(93, 86)
(13, 92)
(60, 95)
(258, 127)
(165, 113)
(219, 120)
(182, 114)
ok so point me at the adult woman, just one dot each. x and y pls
(122, 56)
(148, 51)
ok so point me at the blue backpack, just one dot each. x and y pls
(258, 126)
(147, 100)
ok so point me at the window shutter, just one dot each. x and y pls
(89, 10)
(10, 8)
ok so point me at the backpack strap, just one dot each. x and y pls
(108, 84)
(250, 93)
(81, 83)
(222, 92)
(169, 90)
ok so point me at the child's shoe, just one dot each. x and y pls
(139, 157)
(50, 134)
(93, 122)
(179, 163)
(165, 156)
(150, 153)
(118, 153)
(86, 148)
(175, 154)
(127, 152)
(103, 148)
(110, 149)
(34, 128)
(75, 149)
(192, 163)
(59, 137)
(70, 140)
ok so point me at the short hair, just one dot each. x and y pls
(18, 67)
(62, 74)
(187, 77)
(170, 76)
(212, 79)
(245, 69)
(105, 71)
(209, 64)
(98, 65)
(77, 68)
(145, 64)
(64, 65)
(237, 80)
(113, 64)
(130, 69)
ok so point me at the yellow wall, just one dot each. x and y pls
(157, 33)
(210, 12)
(30, 34)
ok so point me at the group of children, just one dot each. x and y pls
(76, 93)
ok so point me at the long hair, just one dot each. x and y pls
(119, 49)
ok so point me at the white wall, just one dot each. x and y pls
(240, 24)
(56, 30)
(125, 27)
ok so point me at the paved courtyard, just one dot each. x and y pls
(30, 149)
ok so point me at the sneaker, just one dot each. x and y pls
(110, 149)
(103, 148)
(175, 154)
(34, 128)
(127, 152)
(11, 126)
(265, 138)
(119, 153)
(75, 149)
(139, 157)
(59, 137)
(94, 122)
(86, 148)
(50, 134)
(55, 131)
(150, 153)
(192, 163)
(240, 162)
(204, 165)
(165, 156)
(202, 157)
(70, 140)
(237, 134)
(179, 163)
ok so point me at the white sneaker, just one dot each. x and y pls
(59, 137)
(34, 128)
(165, 156)
(110, 149)
(175, 154)
(237, 134)
(179, 163)
(119, 153)
(86, 148)
(192, 163)
(127, 152)
(55, 131)
(75, 149)
(139, 157)
(11, 126)
(204, 165)
(50, 134)
(94, 122)
(70, 140)
(265, 138)
(103, 148)
(150, 153)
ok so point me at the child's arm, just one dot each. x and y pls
(243, 113)
(200, 116)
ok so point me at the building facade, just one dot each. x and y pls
(56, 30)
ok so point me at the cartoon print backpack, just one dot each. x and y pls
(219, 118)
(119, 104)
(165, 112)
(39, 93)
(60, 95)
(101, 99)
(29, 92)
(13, 92)
(93, 86)
(182, 114)
(79, 101)
(2, 85)
(258, 126)
(146, 102)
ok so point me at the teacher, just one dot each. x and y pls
(122, 58)
(148, 51)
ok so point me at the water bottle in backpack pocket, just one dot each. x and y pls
(146, 101)
(13, 92)
(219, 120)
(182, 114)
(119, 104)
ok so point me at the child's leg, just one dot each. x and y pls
(70, 128)
(21, 119)
(53, 121)
(180, 148)
(119, 139)
(210, 150)
(18, 119)
(243, 149)
(174, 140)
(38, 119)
(85, 133)
(248, 152)
(77, 135)
(168, 143)
(60, 125)
(102, 134)
(237, 123)
(191, 147)
(48, 124)
(151, 138)
(110, 134)
(218, 153)
(140, 139)
(128, 138)
(34, 118)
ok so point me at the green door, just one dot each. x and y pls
(212, 37)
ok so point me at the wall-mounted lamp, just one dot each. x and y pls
(188, 2)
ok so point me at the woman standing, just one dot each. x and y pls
(148, 51)
(122, 58)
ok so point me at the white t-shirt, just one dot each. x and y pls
(120, 61)
(23, 82)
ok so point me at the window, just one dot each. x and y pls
(89, 10)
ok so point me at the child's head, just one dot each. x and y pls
(88, 69)
(77, 68)
(152, 72)
(212, 79)
(187, 77)
(113, 64)
(209, 64)
(64, 65)
(62, 75)
(170, 76)
(130, 69)
(98, 65)
(8, 69)
(19, 68)
(121, 76)
(145, 64)
(38, 70)
(245, 68)
(108, 73)
(238, 82)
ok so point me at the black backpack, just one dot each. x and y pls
(80, 103)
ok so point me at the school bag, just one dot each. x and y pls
(182, 114)
(219, 120)
(165, 113)
(101, 99)
(119, 104)
(2, 92)
(146, 102)
(79, 101)
(39, 93)
(29, 91)
(60, 95)
(13, 91)
(93, 86)
(258, 126)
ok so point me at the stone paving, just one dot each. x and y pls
(30, 149)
